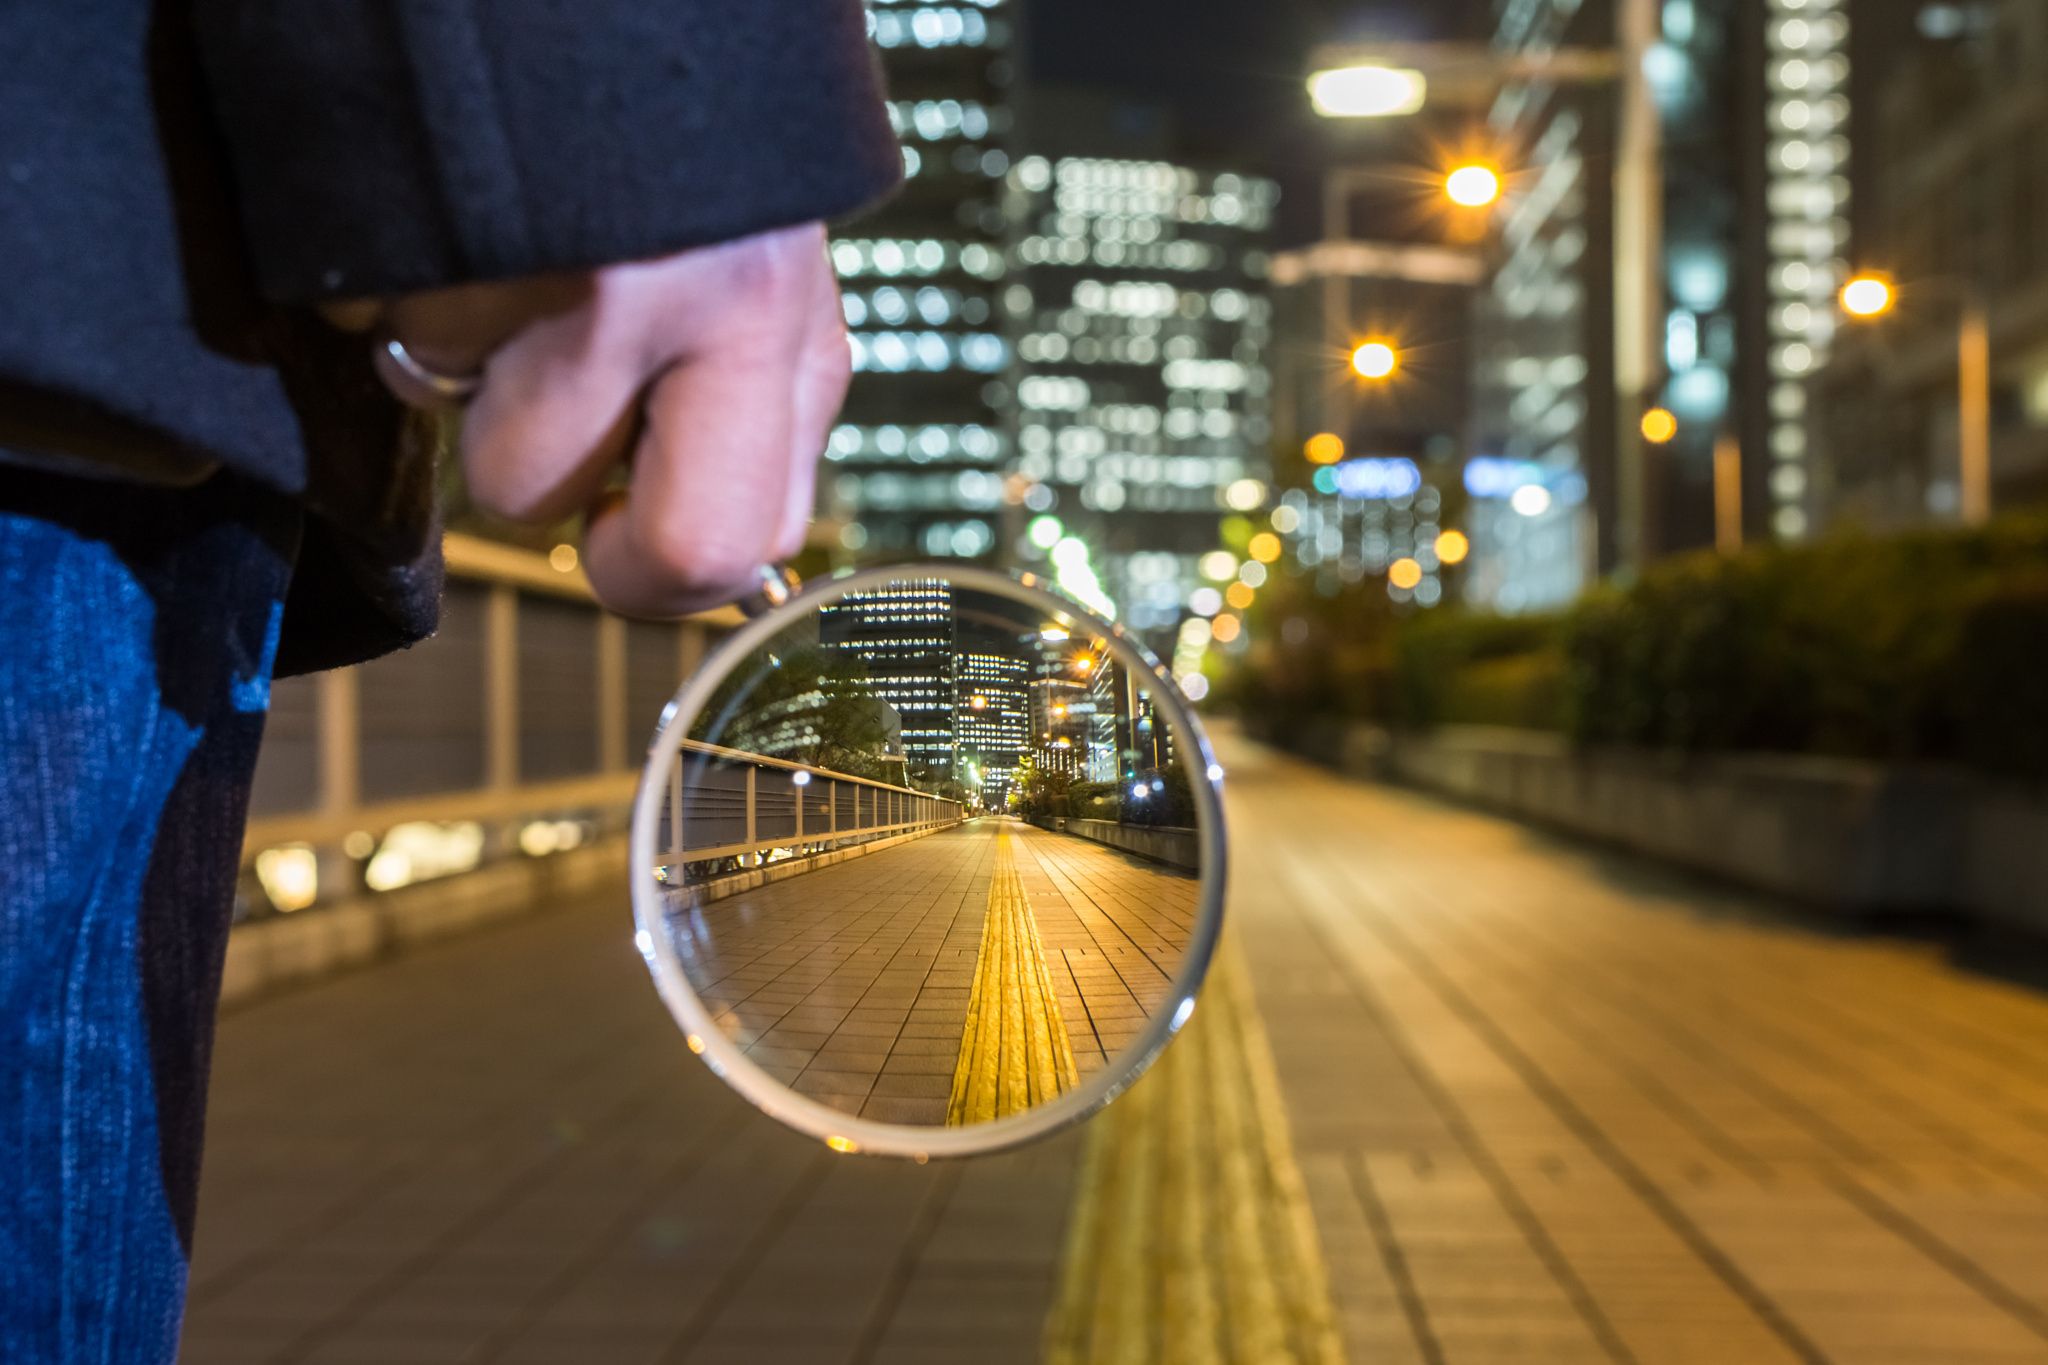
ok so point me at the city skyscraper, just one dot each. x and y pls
(1955, 213)
(915, 466)
(1138, 304)
(901, 637)
(1706, 290)
(992, 704)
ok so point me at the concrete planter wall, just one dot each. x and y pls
(1180, 848)
(1856, 838)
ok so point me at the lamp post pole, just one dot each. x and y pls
(1973, 398)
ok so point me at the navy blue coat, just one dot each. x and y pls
(178, 178)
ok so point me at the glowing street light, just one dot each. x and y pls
(1367, 91)
(1660, 427)
(1375, 360)
(1404, 572)
(1868, 296)
(1452, 547)
(1473, 187)
(1325, 447)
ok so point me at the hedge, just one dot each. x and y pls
(1929, 646)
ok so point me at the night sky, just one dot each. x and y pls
(1229, 71)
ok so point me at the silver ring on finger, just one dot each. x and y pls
(418, 384)
(774, 585)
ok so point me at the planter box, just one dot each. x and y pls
(1180, 848)
(1851, 837)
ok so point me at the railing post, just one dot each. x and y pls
(856, 807)
(689, 648)
(752, 837)
(832, 806)
(675, 807)
(501, 688)
(611, 693)
(341, 763)
(800, 793)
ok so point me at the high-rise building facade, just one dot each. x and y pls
(1544, 384)
(1704, 287)
(992, 706)
(915, 467)
(1958, 219)
(900, 637)
(1137, 300)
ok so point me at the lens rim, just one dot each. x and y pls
(843, 1132)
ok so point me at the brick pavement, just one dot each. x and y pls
(1559, 1106)
(1548, 1105)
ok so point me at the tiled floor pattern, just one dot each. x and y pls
(852, 982)
(1191, 1240)
(1014, 1051)
(1548, 1105)
(1115, 930)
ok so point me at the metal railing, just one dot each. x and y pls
(531, 704)
(727, 803)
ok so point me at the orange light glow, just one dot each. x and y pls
(1868, 296)
(1473, 187)
(1264, 547)
(1375, 360)
(1659, 426)
(1325, 447)
(1404, 572)
(1225, 628)
(1238, 595)
(1452, 547)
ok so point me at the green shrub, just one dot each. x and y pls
(1926, 646)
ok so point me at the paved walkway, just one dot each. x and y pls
(1545, 1106)
(858, 983)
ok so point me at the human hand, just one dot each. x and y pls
(715, 374)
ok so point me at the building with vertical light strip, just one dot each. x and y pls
(1137, 298)
(901, 637)
(915, 467)
(1752, 212)
(1806, 199)
(991, 706)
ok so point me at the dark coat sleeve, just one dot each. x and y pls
(380, 146)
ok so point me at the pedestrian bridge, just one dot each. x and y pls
(1457, 1093)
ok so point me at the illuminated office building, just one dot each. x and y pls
(1060, 708)
(902, 637)
(916, 463)
(1957, 206)
(992, 707)
(1732, 280)
(1543, 386)
(1137, 301)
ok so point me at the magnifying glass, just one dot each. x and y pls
(928, 861)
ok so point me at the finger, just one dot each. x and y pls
(711, 475)
(824, 370)
(455, 330)
(557, 411)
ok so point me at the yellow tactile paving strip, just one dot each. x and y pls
(1014, 1052)
(1191, 1240)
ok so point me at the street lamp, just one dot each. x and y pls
(1868, 296)
(1473, 186)
(1375, 360)
(1660, 426)
(1367, 91)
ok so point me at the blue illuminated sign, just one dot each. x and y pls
(1378, 477)
(1490, 476)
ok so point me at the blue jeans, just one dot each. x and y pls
(137, 629)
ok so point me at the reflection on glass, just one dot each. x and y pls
(930, 857)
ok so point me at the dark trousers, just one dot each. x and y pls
(137, 631)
